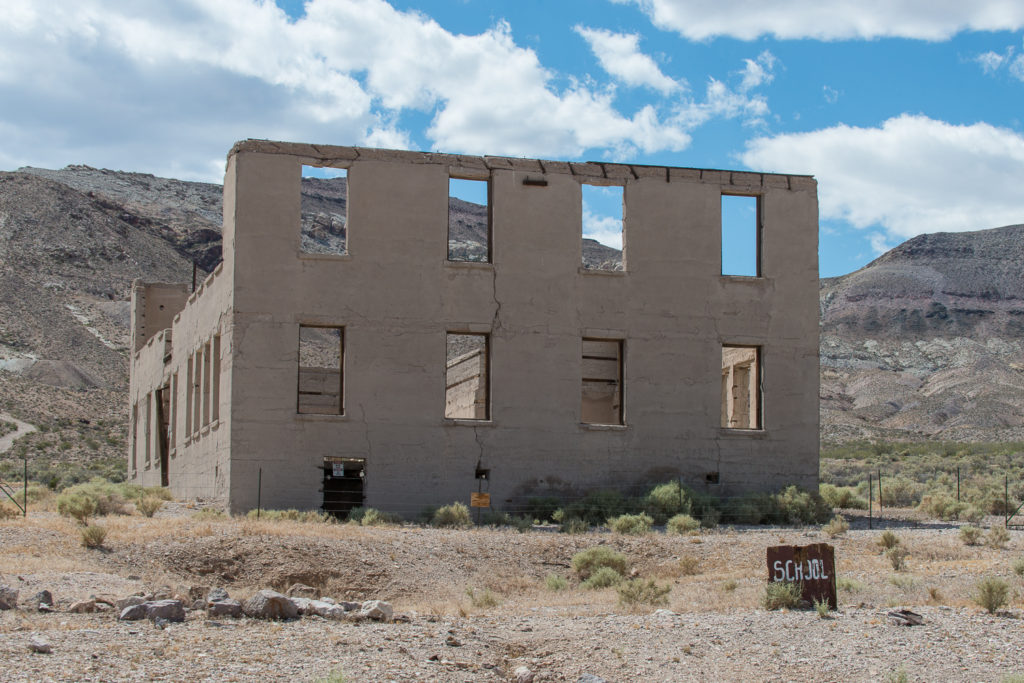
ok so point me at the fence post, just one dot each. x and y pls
(879, 491)
(1006, 500)
(958, 484)
(24, 492)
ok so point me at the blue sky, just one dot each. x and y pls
(908, 112)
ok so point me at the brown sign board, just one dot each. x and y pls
(812, 566)
(480, 500)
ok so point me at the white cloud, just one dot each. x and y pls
(97, 81)
(1017, 68)
(910, 176)
(619, 54)
(721, 101)
(833, 20)
(991, 61)
(605, 229)
(880, 243)
(831, 94)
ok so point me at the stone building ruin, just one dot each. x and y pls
(398, 372)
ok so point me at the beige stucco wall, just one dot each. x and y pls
(397, 297)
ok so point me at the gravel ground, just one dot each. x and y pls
(712, 628)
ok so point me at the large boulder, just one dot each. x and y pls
(377, 610)
(83, 606)
(8, 597)
(43, 601)
(133, 612)
(217, 595)
(171, 610)
(268, 604)
(224, 608)
(130, 601)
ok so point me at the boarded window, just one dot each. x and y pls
(469, 223)
(148, 429)
(207, 357)
(467, 395)
(174, 411)
(602, 229)
(602, 382)
(321, 351)
(135, 436)
(741, 387)
(324, 210)
(741, 235)
(188, 397)
(197, 391)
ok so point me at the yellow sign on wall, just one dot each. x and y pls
(480, 500)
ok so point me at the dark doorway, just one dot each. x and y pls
(163, 409)
(343, 485)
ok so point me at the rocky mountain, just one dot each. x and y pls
(922, 343)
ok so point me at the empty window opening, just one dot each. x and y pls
(197, 391)
(602, 382)
(741, 387)
(324, 210)
(207, 357)
(343, 485)
(163, 406)
(188, 397)
(602, 229)
(216, 378)
(148, 430)
(469, 223)
(467, 395)
(135, 436)
(741, 235)
(174, 412)
(321, 350)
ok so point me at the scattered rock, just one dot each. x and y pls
(301, 590)
(130, 601)
(43, 601)
(452, 641)
(590, 678)
(198, 592)
(133, 612)
(171, 610)
(8, 597)
(268, 604)
(377, 610)
(217, 595)
(224, 608)
(161, 623)
(349, 606)
(40, 645)
(199, 604)
(905, 617)
(83, 607)
(302, 604)
(522, 675)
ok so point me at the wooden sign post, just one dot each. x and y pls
(479, 500)
(812, 566)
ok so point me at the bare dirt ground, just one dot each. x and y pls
(446, 583)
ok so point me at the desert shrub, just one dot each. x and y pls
(888, 540)
(842, 497)
(901, 492)
(542, 509)
(970, 535)
(903, 581)
(796, 506)
(781, 595)
(598, 506)
(605, 577)
(991, 593)
(375, 517)
(972, 514)
(822, 608)
(756, 508)
(291, 515)
(575, 526)
(642, 592)
(77, 505)
(93, 536)
(689, 565)
(1018, 567)
(997, 537)
(484, 598)
(209, 514)
(106, 497)
(897, 556)
(555, 583)
(682, 524)
(837, 526)
(942, 506)
(845, 584)
(588, 561)
(667, 500)
(8, 512)
(148, 505)
(454, 516)
(729, 585)
(633, 525)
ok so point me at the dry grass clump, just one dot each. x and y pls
(484, 598)
(148, 505)
(8, 512)
(781, 595)
(291, 515)
(1018, 567)
(682, 524)
(605, 577)
(836, 527)
(372, 517)
(642, 592)
(844, 497)
(689, 565)
(970, 535)
(631, 525)
(991, 593)
(897, 556)
(888, 540)
(93, 536)
(997, 537)
(588, 561)
(454, 516)
(555, 583)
